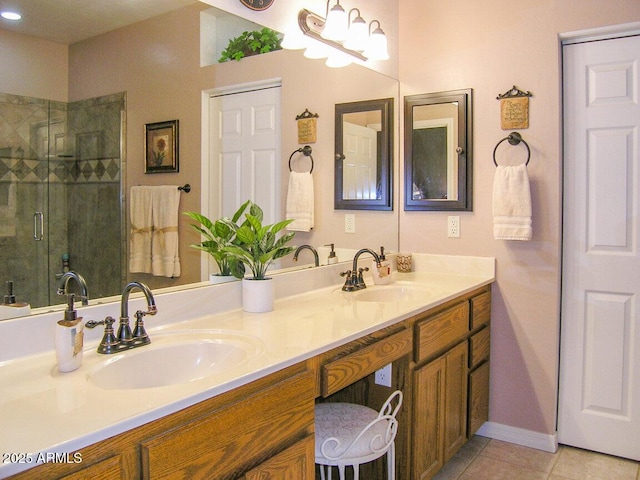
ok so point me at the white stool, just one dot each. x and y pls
(350, 434)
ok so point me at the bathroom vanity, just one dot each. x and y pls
(255, 420)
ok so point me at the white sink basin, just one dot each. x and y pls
(391, 293)
(174, 358)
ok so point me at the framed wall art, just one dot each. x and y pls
(161, 147)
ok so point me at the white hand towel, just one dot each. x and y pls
(141, 226)
(512, 203)
(165, 261)
(300, 204)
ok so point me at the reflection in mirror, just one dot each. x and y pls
(363, 147)
(106, 255)
(438, 155)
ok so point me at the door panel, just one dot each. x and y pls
(244, 152)
(599, 393)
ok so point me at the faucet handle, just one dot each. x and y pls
(109, 342)
(360, 280)
(139, 333)
(349, 281)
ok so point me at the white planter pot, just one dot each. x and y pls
(257, 295)
(217, 278)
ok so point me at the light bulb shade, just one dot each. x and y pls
(337, 24)
(316, 50)
(358, 36)
(294, 40)
(338, 59)
(377, 49)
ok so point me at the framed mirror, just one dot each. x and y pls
(438, 160)
(363, 153)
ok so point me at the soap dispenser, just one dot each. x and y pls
(381, 274)
(69, 338)
(15, 308)
(332, 255)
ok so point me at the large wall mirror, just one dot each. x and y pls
(116, 73)
(438, 151)
(363, 152)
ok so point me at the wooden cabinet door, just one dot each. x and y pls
(478, 397)
(455, 412)
(428, 419)
(439, 411)
(294, 463)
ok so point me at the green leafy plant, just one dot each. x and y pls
(251, 43)
(218, 235)
(257, 246)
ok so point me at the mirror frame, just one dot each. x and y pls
(385, 105)
(464, 151)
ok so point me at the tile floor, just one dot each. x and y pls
(486, 459)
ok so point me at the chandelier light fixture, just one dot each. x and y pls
(340, 37)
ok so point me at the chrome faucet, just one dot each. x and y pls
(308, 247)
(63, 284)
(125, 338)
(355, 279)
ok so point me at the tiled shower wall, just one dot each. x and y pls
(63, 160)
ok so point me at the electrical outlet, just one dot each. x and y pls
(453, 227)
(349, 223)
(383, 376)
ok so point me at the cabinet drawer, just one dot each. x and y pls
(349, 369)
(479, 346)
(480, 310)
(294, 462)
(435, 333)
(110, 468)
(223, 443)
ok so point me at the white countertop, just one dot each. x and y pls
(42, 410)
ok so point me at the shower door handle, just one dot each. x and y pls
(38, 226)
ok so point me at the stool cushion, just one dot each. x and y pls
(345, 421)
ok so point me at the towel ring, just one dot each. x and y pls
(514, 138)
(306, 151)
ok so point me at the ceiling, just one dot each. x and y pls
(71, 21)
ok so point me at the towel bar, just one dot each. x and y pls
(514, 138)
(186, 188)
(306, 151)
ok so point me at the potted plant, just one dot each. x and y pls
(257, 246)
(218, 235)
(251, 43)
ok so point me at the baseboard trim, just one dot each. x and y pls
(520, 436)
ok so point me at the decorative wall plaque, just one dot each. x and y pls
(514, 109)
(307, 127)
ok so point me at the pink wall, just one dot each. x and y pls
(33, 67)
(490, 46)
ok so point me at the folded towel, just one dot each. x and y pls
(300, 201)
(141, 227)
(511, 203)
(165, 261)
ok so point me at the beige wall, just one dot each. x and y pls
(33, 67)
(490, 46)
(157, 63)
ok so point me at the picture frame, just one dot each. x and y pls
(161, 147)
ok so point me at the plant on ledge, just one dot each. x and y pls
(218, 235)
(251, 43)
(257, 246)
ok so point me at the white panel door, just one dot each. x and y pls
(359, 168)
(599, 396)
(245, 152)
